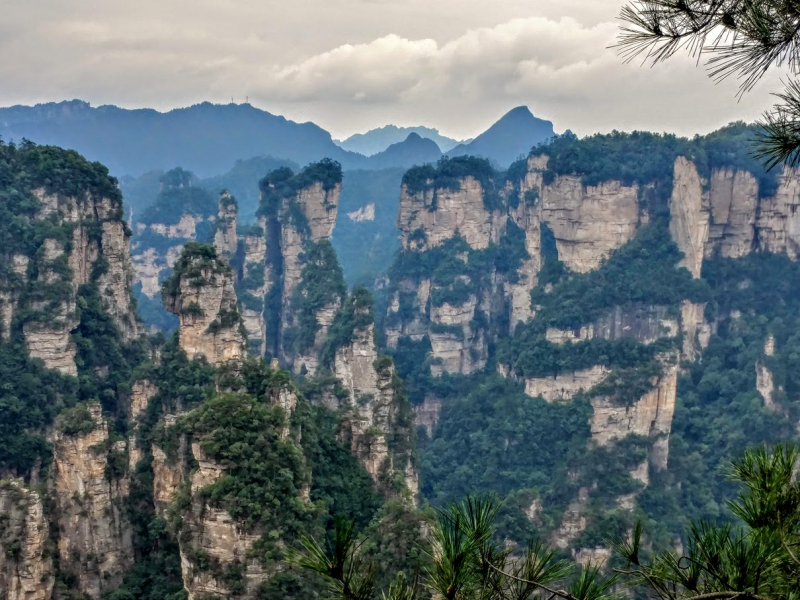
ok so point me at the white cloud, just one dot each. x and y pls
(355, 64)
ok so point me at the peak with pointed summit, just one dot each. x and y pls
(512, 136)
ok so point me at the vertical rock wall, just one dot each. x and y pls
(375, 412)
(201, 293)
(27, 571)
(225, 239)
(98, 251)
(94, 541)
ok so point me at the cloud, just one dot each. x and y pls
(479, 63)
(355, 64)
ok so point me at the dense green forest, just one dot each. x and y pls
(537, 457)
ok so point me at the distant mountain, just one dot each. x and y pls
(414, 150)
(205, 138)
(511, 137)
(378, 140)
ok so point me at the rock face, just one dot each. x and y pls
(185, 228)
(94, 541)
(733, 200)
(319, 207)
(589, 222)
(732, 219)
(527, 216)
(765, 383)
(297, 216)
(427, 414)
(225, 240)
(213, 533)
(441, 213)
(565, 386)
(141, 393)
(201, 293)
(251, 287)
(650, 416)
(150, 266)
(689, 215)
(376, 411)
(456, 347)
(27, 571)
(646, 324)
(97, 253)
(696, 332)
(212, 543)
(365, 213)
(778, 221)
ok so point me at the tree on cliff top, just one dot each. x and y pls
(743, 38)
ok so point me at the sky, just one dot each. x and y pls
(351, 65)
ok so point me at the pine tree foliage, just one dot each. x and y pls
(742, 39)
(756, 560)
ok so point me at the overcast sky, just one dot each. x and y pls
(350, 65)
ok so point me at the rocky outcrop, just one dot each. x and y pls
(319, 207)
(527, 216)
(733, 200)
(225, 239)
(150, 266)
(141, 394)
(689, 215)
(765, 382)
(457, 347)
(573, 522)
(696, 331)
(589, 222)
(297, 217)
(168, 472)
(778, 219)
(201, 293)
(27, 571)
(252, 287)
(416, 295)
(429, 217)
(377, 412)
(365, 213)
(307, 361)
(184, 229)
(566, 385)
(650, 416)
(211, 533)
(427, 414)
(98, 253)
(94, 543)
(645, 324)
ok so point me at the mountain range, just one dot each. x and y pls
(208, 139)
(378, 140)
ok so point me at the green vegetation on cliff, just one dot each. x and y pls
(449, 174)
(321, 286)
(180, 195)
(283, 185)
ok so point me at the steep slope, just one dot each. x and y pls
(620, 290)
(377, 140)
(69, 338)
(132, 142)
(509, 138)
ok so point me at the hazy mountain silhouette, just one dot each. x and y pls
(414, 150)
(205, 138)
(511, 137)
(378, 140)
